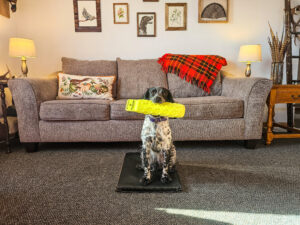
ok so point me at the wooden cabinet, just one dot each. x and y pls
(4, 129)
(281, 94)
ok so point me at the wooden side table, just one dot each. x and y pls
(281, 94)
(4, 129)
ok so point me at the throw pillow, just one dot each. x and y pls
(182, 89)
(78, 87)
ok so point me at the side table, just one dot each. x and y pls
(281, 94)
(4, 129)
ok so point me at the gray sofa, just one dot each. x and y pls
(234, 113)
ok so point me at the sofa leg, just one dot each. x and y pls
(31, 147)
(251, 144)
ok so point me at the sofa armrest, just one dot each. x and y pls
(28, 94)
(254, 92)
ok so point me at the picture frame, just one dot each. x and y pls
(146, 24)
(150, 0)
(176, 16)
(213, 11)
(121, 13)
(4, 8)
(87, 15)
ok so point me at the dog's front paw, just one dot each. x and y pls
(145, 180)
(166, 179)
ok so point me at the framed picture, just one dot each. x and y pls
(4, 8)
(176, 16)
(151, 0)
(121, 13)
(146, 24)
(213, 11)
(87, 15)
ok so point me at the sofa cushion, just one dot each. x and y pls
(90, 68)
(136, 76)
(118, 112)
(183, 89)
(70, 110)
(212, 107)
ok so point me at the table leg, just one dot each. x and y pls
(270, 125)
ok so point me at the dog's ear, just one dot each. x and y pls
(147, 94)
(169, 97)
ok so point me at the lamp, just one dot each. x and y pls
(249, 54)
(22, 48)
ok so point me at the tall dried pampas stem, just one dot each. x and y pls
(278, 46)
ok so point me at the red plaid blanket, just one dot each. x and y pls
(201, 69)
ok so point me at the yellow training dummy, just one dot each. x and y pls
(167, 109)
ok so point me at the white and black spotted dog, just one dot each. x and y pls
(158, 151)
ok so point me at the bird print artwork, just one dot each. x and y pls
(87, 16)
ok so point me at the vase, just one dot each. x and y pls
(277, 72)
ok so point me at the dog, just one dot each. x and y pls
(158, 151)
(143, 24)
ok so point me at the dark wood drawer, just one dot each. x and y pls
(288, 96)
(3, 132)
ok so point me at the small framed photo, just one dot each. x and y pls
(176, 16)
(146, 24)
(121, 13)
(213, 11)
(4, 8)
(87, 15)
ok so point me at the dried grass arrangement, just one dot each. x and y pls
(278, 46)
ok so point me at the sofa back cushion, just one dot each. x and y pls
(136, 76)
(90, 68)
(183, 89)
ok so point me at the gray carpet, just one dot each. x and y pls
(223, 184)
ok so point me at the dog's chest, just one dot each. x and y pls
(160, 134)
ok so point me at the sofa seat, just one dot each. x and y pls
(79, 110)
(118, 112)
(212, 107)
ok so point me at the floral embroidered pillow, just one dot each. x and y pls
(79, 87)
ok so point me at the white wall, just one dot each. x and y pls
(51, 24)
(7, 30)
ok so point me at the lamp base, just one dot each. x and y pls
(24, 67)
(248, 70)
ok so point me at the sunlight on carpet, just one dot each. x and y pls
(236, 218)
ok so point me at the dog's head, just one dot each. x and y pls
(296, 10)
(147, 19)
(158, 95)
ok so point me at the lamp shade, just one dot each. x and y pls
(20, 47)
(250, 53)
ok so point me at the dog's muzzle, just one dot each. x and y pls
(157, 100)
